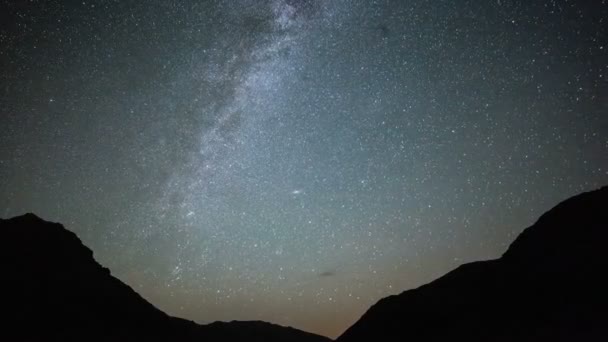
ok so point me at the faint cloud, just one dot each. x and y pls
(327, 274)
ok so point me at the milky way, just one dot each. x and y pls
(295, 161)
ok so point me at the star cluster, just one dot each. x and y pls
(294, 161)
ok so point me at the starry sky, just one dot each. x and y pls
(294, 161)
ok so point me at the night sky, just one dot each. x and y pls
(294, 161)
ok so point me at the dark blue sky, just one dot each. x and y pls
(295, 161)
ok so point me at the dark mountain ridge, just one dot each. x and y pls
(550, 285)
(56, 291)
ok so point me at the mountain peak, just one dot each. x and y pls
(568, 229)
(38, 239)
(57, 291)
(548, 286)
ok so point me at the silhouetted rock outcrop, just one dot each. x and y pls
(550, 285)
(53, 290)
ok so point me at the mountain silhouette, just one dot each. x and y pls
(550, 285)
(54, 290)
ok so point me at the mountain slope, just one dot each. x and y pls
(549, 285)
(55, 290)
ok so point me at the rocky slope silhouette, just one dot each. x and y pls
(550, 285)
(53, 290)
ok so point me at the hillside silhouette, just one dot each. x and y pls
(54, 290)
(550, 285)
